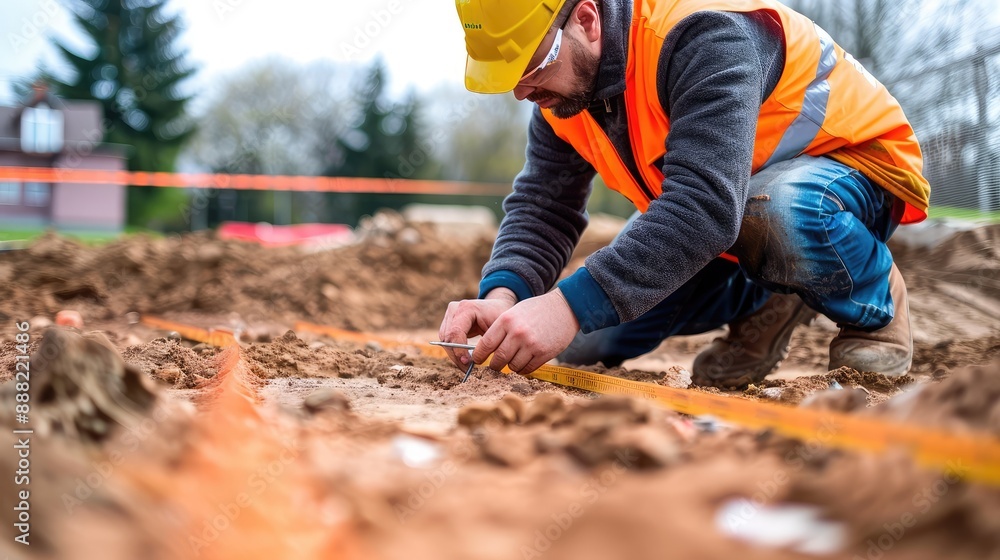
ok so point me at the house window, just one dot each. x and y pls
(41, 130)
(10, 193)
(37, 194)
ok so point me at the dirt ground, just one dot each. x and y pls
(146, 445)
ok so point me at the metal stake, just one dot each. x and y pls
(469, 347)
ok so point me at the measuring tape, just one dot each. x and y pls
(972, 456)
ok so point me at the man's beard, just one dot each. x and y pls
(585, 67)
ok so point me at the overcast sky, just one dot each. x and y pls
(420, 40)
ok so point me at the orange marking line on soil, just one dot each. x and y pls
(241, 470)
(233, 377)
(249, 182)
(976, 457)
(364, 338)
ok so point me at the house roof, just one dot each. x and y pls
(40, 92)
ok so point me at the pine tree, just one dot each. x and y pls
(135, 75)
(384, 143)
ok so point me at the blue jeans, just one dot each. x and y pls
(812, 227)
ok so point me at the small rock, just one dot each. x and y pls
(773, 393)
(289, 337)
(169, 374)
(40, 322)
(326, 399)
(522, 389)
(174, 336)
(69, 318)
(373, 346)
(408, 236)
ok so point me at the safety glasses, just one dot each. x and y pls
(548, 67)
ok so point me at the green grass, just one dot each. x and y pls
(88, 237)
(967, 214)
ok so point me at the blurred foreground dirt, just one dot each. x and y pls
(148, 446)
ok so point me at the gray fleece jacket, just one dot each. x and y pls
(715, 71)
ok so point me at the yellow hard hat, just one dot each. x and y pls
(500, 37)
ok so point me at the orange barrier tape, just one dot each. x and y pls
(250, 182)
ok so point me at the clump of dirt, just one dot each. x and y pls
(968, 399)
(290, 356)
(403, 277)
(878, 387)
(365, 439)
(173, 363)
(939, 357)
(674, 376)
(970, 258)
(81, 387)
(9, 353)
(512, 432)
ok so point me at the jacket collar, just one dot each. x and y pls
(616, 19)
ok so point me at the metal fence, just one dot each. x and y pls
(954, 108)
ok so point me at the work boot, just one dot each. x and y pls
(888, 350)
(754, 347)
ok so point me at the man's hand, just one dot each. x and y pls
(472, 317)
(529, 334)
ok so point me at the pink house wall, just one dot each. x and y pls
(90, 206)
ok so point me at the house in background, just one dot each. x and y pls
(50, 132)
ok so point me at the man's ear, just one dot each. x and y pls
(588, 17)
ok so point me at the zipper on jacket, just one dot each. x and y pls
(640, 181)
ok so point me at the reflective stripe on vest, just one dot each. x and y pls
(803, 130)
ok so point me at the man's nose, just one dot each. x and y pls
(521, 92)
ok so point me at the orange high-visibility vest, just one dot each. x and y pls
(825, 103)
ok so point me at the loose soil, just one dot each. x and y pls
(150, 446)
